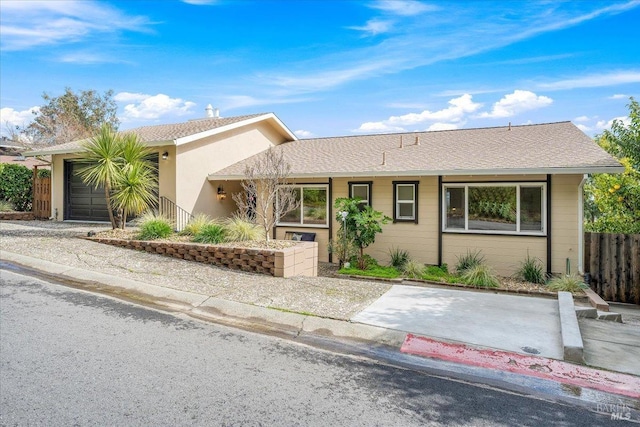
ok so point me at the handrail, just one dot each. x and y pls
(178, 216)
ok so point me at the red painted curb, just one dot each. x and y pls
(541, 367)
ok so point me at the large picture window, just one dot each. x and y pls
(313, 210)
(517, 208)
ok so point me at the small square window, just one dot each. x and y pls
(361, 190)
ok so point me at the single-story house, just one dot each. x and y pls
(509, 191)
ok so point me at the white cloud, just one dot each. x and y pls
(594, 80)
(374, 27)
(12, 118)
(27, 24)
(517, 102)
(152, 107)
(581, 119)
(618, 96)
(445, 118)
(583, 128)
(303, 133)
(600, 125)
(403, 7)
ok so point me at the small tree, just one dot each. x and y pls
(16, 185)
(360, 225)
(267, 195)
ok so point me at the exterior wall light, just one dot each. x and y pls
(165, 155)
(221, 193)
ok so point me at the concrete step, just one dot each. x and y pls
(586, 312)
(609, 315)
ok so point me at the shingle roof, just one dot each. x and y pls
(543, 148)
(153, 135)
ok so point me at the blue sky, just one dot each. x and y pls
(328, 68)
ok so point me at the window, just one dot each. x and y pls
(494, 208)
(362, 190)
(405, 195)
(313, 210)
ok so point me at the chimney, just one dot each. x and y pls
(209, 110)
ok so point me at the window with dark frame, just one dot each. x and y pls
(405, 197)
(362, 190)
(494, 208)
(313, 210)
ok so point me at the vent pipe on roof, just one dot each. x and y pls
(384, 158)
(209, 110)
(216, 113)
(400, 141)
(509, 125)
(417, 140)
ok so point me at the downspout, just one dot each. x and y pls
(330, 219)
(581, 225)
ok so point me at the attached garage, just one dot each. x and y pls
(82, 202)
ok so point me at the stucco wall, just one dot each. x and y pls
(564, 222)
(197, 159)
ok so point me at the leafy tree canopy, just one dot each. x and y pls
(612, 202)
(71, 116)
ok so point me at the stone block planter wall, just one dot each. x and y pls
(17, 216)
(298, 260)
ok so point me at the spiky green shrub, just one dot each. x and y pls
(531, 271)
(567, 283)
(469, 260)
(154, 226)
(211, 233)
(480, 275)
(240, 229)
(195, 224)
(398, 258)
(413, 269)
(6, 206)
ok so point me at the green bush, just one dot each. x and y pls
(531, 270)
(211, 233)
(570, 283)
(44, 173)
(480, 275)
(469, 260)
(399, 257)
(16, 186)
(195, 224)
(369, 261)
(6, 206)
(154, 226)
(413, 269)
(240, 229)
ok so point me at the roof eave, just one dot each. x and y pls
(270, 116)
(76, 150)
(454, 172)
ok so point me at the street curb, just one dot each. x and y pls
(209, 308)
(572, 344)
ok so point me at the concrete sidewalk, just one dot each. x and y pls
(322, 306)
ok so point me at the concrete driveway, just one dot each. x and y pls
(521, 324)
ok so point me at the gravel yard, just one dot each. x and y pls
(62, 243)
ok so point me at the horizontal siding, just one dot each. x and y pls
(503, 253)
(564, 222)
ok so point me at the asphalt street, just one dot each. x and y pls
(69, 357)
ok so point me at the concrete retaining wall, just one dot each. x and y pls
(298, 260)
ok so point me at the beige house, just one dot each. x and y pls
(508, 191)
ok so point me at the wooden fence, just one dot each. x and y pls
(613, 262)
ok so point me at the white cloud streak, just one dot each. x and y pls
(403, 7)
(27, 24)
(374, 27)
(594, 80)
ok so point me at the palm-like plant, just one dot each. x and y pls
(118, 163)
(103, 155)
(133, 191)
